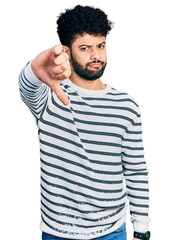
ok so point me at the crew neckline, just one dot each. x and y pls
(88, 91)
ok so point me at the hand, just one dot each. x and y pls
(51, 66)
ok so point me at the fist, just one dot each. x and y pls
(52, 66)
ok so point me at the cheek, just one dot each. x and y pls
(83, 59)
(104, 56)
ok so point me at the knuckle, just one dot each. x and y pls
(56, 61)
(64, 66)
(67, 74)
(64, 75)
(54, 71)
(59, 59)
(57, 49)
(66, 56)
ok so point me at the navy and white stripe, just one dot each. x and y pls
(87, 148)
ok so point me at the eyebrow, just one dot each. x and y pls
(86, 45)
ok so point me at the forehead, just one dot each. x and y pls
(88, 39)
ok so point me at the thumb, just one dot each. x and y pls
(60, 93)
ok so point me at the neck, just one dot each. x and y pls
(88, 84)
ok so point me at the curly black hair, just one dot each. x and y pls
(79, 20)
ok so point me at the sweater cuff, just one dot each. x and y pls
(140, 224)
(31, 76)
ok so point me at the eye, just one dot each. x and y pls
(101, 46)
(84, 48)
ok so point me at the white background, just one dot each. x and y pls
(138, 59)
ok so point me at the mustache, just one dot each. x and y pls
(95, 62)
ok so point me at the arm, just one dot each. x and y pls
(136, 174)
(33, 91)
(45, 71)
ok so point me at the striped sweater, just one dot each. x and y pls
(91, 158)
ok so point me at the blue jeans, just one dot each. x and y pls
(119, 234)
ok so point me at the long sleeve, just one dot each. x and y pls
(33, 91)
(136, 174)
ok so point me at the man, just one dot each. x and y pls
(90, 136)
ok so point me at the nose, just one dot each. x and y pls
(95, 54)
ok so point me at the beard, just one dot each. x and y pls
(84, 72)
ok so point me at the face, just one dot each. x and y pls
(88, 56)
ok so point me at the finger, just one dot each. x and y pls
(61, 58)
(55, 86)
(57, 49)
(52, 53)
(64, 75)
(61, 68)
(61, 95)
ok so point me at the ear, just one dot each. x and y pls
(66, 50)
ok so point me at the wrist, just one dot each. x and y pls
(30, 75)
(34, 68)
(141, 235)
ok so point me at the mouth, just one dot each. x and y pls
(95, 65)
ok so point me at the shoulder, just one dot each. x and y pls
(126, 101)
